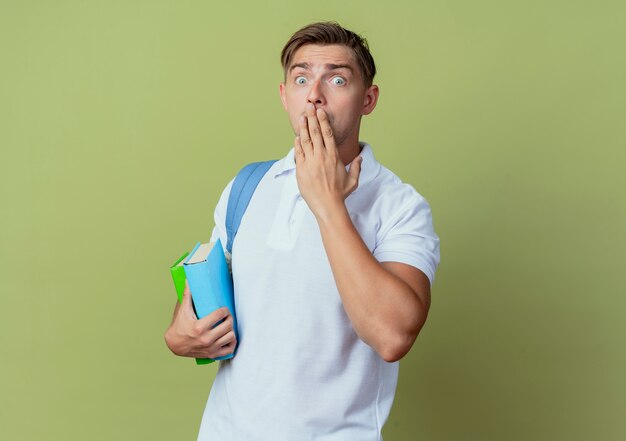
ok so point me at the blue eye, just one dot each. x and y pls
(339, 81)
(300, 80)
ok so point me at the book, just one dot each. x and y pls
(178, 275)
(207, 270)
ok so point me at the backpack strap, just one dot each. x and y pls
(241, 192)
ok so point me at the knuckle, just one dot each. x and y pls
(196, 330)
(306, 141)
(206, 341)
(328, 132)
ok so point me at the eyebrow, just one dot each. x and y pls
(328, 66)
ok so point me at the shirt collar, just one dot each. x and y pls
(369, 166)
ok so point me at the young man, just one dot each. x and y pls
(332, 266)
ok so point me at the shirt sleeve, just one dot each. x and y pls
(219, 215)
(409, 237)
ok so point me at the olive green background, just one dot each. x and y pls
(121, 122)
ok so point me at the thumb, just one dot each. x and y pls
(355, 169)
(187, 297)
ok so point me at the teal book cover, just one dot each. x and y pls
(210, 282)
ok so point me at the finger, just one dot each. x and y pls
(327, 131)
(314, 127)
(226, 350)
(305, 138)
(212, 336)
(299, 153)
(218, 336)
(353, 175)
(222, 328)
(226, 339)
(210, 320)
(355, 170)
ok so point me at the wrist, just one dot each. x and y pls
(332, 214)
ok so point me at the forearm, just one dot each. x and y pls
(385, 312)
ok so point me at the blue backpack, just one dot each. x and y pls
(241, 192)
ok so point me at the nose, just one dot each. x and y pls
(316, 95)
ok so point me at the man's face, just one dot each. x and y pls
(330, 78)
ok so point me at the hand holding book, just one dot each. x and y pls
(203, 278)
(200, 338)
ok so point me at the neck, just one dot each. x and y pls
(349, 151)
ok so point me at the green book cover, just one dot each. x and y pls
(178, 275)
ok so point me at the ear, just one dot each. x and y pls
(370, 100)
(283, 96)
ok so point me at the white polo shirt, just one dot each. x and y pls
(301, 372)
